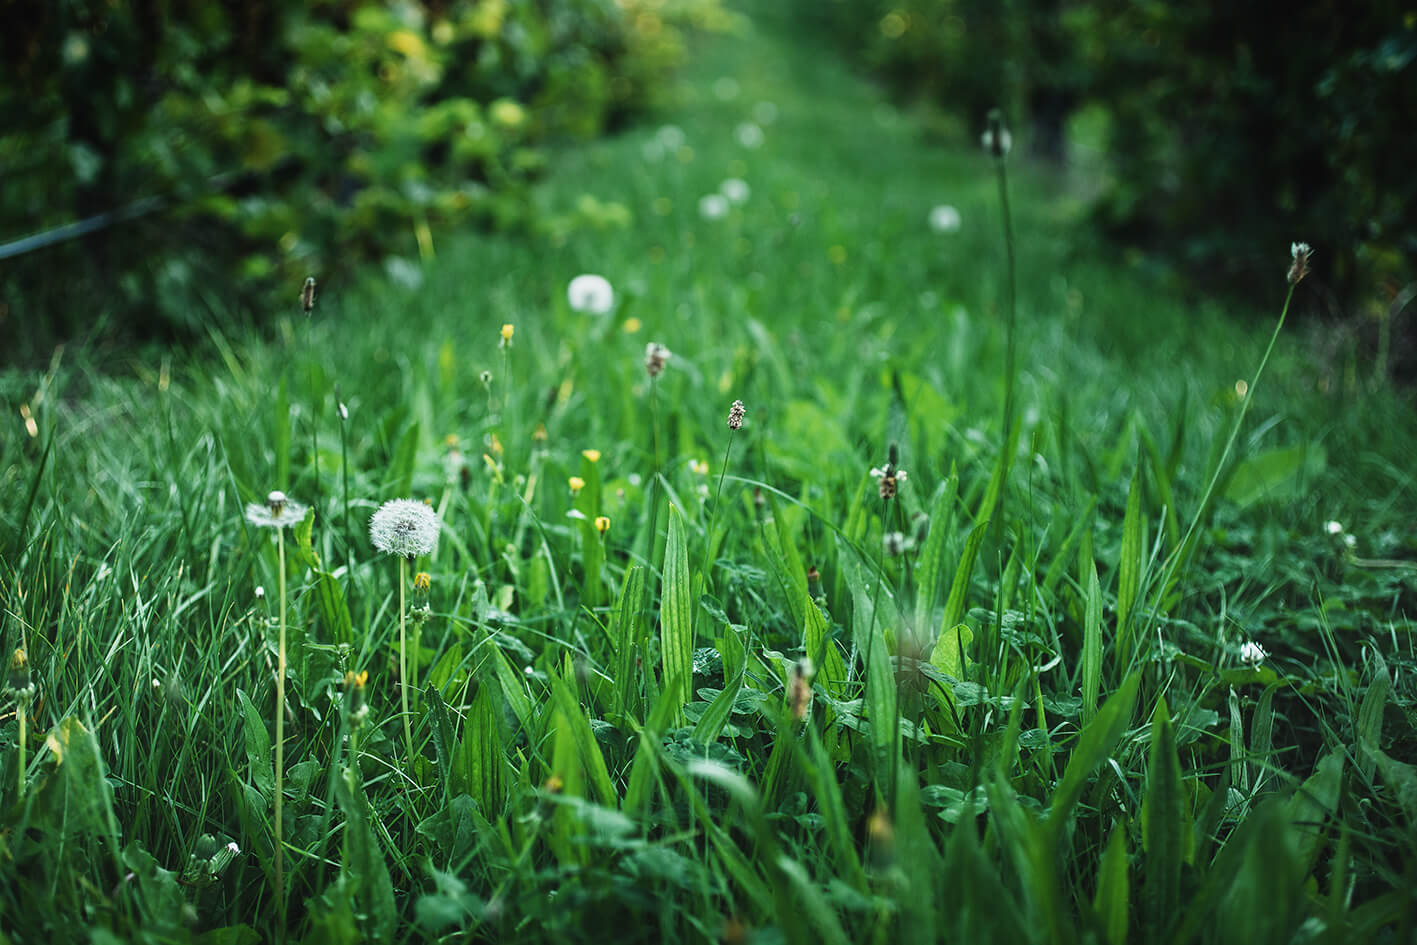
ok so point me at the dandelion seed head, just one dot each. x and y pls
(748, 135)
(944, 219)
(996, 138)
(735, 190)
(278, 511)
(404, 527)
(713, 206)
(591, 294)
(1299, 254)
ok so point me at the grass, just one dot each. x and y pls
(1029, 729)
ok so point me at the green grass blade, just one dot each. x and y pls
(929, 571)
(1091, 647)
(716, 715)
(1129, 568)
(1094, 744)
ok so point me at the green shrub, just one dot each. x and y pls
(288, 139)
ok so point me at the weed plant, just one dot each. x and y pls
(1006, 698)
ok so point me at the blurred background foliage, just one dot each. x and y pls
(252, 143)
(1209, 133)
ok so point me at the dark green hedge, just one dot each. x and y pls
(287, 138)
(1226, 129)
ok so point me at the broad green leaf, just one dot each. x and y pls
(928, 572)
(959, 588)
(587, 749)
(1273, 474)
(625, 631)
(1111, 901)
(1163, 825)
(716, 715)
(258, 747)
(676, 618)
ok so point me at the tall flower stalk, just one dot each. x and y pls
(21, 686)
(406, 528)
(278, 512)
(1299, 254)
(736, 413)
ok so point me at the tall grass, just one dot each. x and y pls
(1053, 738)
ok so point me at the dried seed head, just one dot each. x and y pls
(1299, 261)
(996, 138)
(307, 295)
(735, 415)
(404, 527)
(656, 355)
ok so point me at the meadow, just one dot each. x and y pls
(1030, 596)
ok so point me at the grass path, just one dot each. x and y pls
(554, 791)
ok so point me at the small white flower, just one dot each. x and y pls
(404, 527)
(1334, 528)
(1252, 653)
(735, 189)
(713, 206)
(1350, 542)
(671, 137)
(343, 412)
(591, 294)
(944, 219)
(748, 135)
(260, 592)
(276, 512)
(765, 113)
(232, 848)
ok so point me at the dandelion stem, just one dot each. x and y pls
(707, 569)
(403, 659)
(1010, 337)
(20, 708)
(1183, 551)
(280, 734)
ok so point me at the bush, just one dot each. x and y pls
(287, 139)
(1229, 129)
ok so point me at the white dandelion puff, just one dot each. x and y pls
(944, 219)
(748, 135)
(713, 206)
(591, 294)
(735, 190)
(278, 511)
(404, 527)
